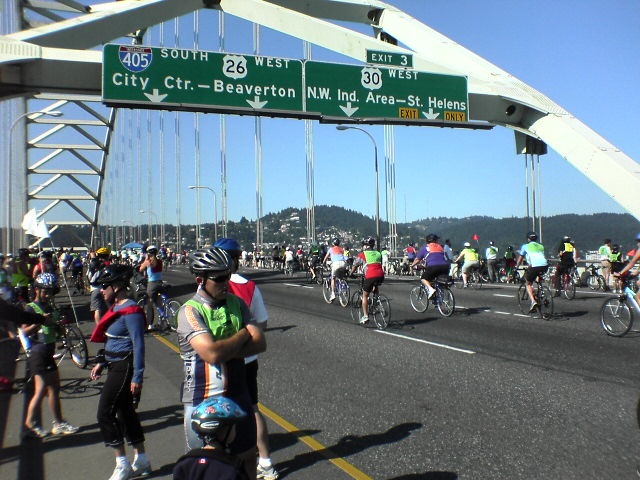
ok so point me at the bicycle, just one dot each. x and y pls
(167, 311)
(474, 278)
(616, 317)
(288, 269)
(595, 281)
(318, 271)
(79, 286)
(341, 286)
(542, 295)
(567, 285)
(443, 298)
(71, 342)
(377, 306)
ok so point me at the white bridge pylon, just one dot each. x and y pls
(57, 58)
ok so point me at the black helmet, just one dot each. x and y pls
(115, 273)
(210, 260)
(432, 237)
(369, 241)
(615, 248)
(336, 241)
(566, 238)
(212, 414)
(532, 236)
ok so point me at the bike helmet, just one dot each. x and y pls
(210, 260)
(47, 281)
(23, 252)
(615, 248)
(467, 244)
(152, 249)
(336, 241)
(510, 248)
(115, 273)
(638, 237)
(432, 237)
(491, 243)
(229, 244)
(214, 413)
(532, 236)
(103, 251)
(370, 241)
(566, 238)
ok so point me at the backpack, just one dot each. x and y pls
(209, 464)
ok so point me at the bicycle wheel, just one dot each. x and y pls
(343, 292)
(523, 299)
(380, 312)
(616, 317)
(418, 299)
(446, 301)
(355, 305)
(476, 280)
(569, 288)
(545, 303)
(593, 282)
(171, 314)
(326, 290)
(76, 346)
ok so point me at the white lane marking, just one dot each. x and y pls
(503, 295)
(501, 313)
(521, 315)
(296, 285)
(441, 345)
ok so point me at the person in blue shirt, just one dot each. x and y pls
(533, 253)
(121, 329)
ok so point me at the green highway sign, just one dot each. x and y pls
(390, 58)
(180, 79)
(372, 92)
(171, 78)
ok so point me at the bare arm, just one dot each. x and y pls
(220, 351)
(257, 343)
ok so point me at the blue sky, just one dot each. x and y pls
(582, 55)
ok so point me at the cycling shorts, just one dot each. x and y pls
(532, 273)
(41, 359)
(430, 273)
(335, 266)
(370, 283)
(466, 266)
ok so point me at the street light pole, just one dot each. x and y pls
(215, 207)
(9, 172)
(151, 233)
(375, 158)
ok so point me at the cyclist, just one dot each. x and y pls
(314, 257)
(21, 276)
(409, 257)
(214, 421)
(338, 259)
(152, 267)
(603, 252)
(567, 254)
(433, 256)
(5, 281)
(533, 253)
(76, 268)
(40, 344)
(289, 259)
(509, 263)
(471, 260)
(248, 291)
(615, 259)
(373, 274)
(215, 335)
(121, 329)
(630, 264)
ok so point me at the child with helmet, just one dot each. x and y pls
(39, 340)
(214, 421)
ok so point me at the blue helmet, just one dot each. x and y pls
(229, 244)
(213, 413)
(47, 281)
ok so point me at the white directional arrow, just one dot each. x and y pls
(431, 115)
(348, 110)
(256, 103)
(155, 96)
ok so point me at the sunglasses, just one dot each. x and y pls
(220, 278)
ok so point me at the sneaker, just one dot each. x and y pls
(364, 319)
(267, 473)
(35, 431)
(534, 305)
(465, 285)
(63, 428)
(332, 297)
(430, 292)
(122, 472)
(141, 468)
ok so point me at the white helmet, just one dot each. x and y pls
(467, 244)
